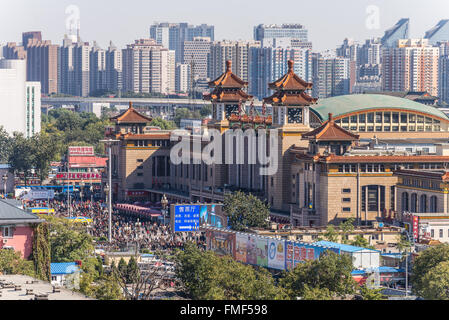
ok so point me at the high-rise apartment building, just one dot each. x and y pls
(74, 76)
(235, 51)
(439, 33)
(195, 54)
(19, 100)
(331, 76)
(270, 31)
(410, 66)
(42, 64)
(173, 35)
(12, 51)
(183, 77)
(97, 69)
(399, 31)
(148, 67)
(114, 68)
(349, 49)
(443, 80)
(371, 52)
(32, 35)
(268, 64)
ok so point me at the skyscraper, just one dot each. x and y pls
(97, 69)
(195, 54)
(173, 35)
(12, 51)
(148, 67)
(272, 31)
(235, 51)
(26, 36)
(331, 76)
(399, 31)
(19, 99)
(411, 66)
(183, 78)
(114, 68)
(74, 74)
(268, 64)
(42, 64)
(439, 33)
(443, 80)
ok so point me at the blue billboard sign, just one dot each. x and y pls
(186, 218)
(189, 217)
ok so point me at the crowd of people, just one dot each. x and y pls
(127, 230)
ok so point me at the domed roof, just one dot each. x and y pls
(345, 105)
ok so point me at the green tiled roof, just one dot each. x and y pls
(342, 105)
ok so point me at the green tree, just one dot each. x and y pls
(331, 273)
(245, 211)
(21, 158)
(346, 227)
(5, 145)
(435, 283)
(11, 262)
(371, 294)
(427, 260)
(45, 149)
(132, 270)
(69, 241)
(122, 266)
(163, 124)
(206, 276)
(360, 241)
(41, 252)
(331, 234)
(206, 111)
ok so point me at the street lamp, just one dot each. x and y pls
(4, 178)
(164, 203)
(107, 190)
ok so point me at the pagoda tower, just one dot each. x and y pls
(290, 111)
(228, 98)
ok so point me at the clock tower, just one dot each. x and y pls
(290, 115)
(228, 98)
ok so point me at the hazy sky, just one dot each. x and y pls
(328, 22)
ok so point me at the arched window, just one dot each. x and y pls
(414, 203)
(405, 206)
(433, 204)
(423, 203)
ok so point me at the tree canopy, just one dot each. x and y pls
(207, 276)
(245, 211)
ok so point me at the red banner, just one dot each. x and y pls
(81, 151)
(80, 176)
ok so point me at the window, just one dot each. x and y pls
(423, 203)
(432, 233)
(403, 118)
(8, 232)
(140, 167)
(362, 118)
(433, 204)
(346, 190)
(387, 117)
(140, 174)
(139, 160)
(441, 233)
(346, 199)
(370, 117)
(346, 209)
(378, 117)
(395, 117)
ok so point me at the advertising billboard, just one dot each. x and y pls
(289, 255)
(297, 252)
(241, 241)
(262, 251)
(251, 249)
(276, 254)
(186, 218)
(222, 243)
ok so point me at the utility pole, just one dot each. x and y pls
(109, 191)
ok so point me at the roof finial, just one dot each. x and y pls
(228, 65)
(290, 65)
(130, 104)
(331, 117)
